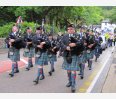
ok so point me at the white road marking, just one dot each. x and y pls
(24, 61)
(22, 66)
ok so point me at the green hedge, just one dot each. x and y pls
(6, 29)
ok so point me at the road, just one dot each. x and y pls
(22, 82)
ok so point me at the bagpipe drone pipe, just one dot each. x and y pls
(45, 46)
(18, 43)
(54, 48)
(29, 45)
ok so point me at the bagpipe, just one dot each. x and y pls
(39, 41)
(28, 46)
(53, 47)
(69, 54)
(79, 48)
(91, 40)
(18, 43)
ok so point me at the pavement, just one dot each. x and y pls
(110, 82)
(2, 51)
(100, 79)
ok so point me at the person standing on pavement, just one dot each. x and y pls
(114, 39)
(110, 40)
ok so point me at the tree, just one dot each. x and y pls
(113, 15)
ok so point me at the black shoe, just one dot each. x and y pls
(68, 84)
(89, 68)
(42, 77)
(50, 73)
(79, 74)
(27, 69)
(73, 89)
(11, 74)
(82, 77)
(17, 71)
(36, 81)
(95, 60)
(53, 70)
(31, 65)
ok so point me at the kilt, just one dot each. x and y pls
(80, 59)
(90, 55)
(14, 54)
(52, 58)
(30, 53)
(93, 52)
(42, 60)
(97, 53)
(85, 56)
(73, 66)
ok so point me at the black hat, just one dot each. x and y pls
(28, 28)
(71, 25)
(39, 28)
(50, 34)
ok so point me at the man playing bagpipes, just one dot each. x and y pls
(70, 45)
(29, 50)
(41, 58)
(90, 47)
(52, 52)
(81, 56)
(98, 49)
(14, 43)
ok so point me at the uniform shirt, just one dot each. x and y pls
(65, 42)
(41, 38)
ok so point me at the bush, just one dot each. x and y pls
(24, 25)
(6, 29)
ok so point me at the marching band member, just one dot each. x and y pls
(14, 45)
(29, 50)
(70, 42)
(41, 57)
(52, 52)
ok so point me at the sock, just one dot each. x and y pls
(29, 62)
(13, 66)
(39, 72)
(82, 66)
(90, 64)
(16, 65)
(52, 65)
(73, 77)
(42, 72)
(69, 76)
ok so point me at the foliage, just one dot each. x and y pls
(55, 16)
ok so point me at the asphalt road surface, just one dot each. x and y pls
(22, 82)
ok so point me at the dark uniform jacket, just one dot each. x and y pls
(37, 39)
(65, 42)
(28, 38)
(91, 40)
